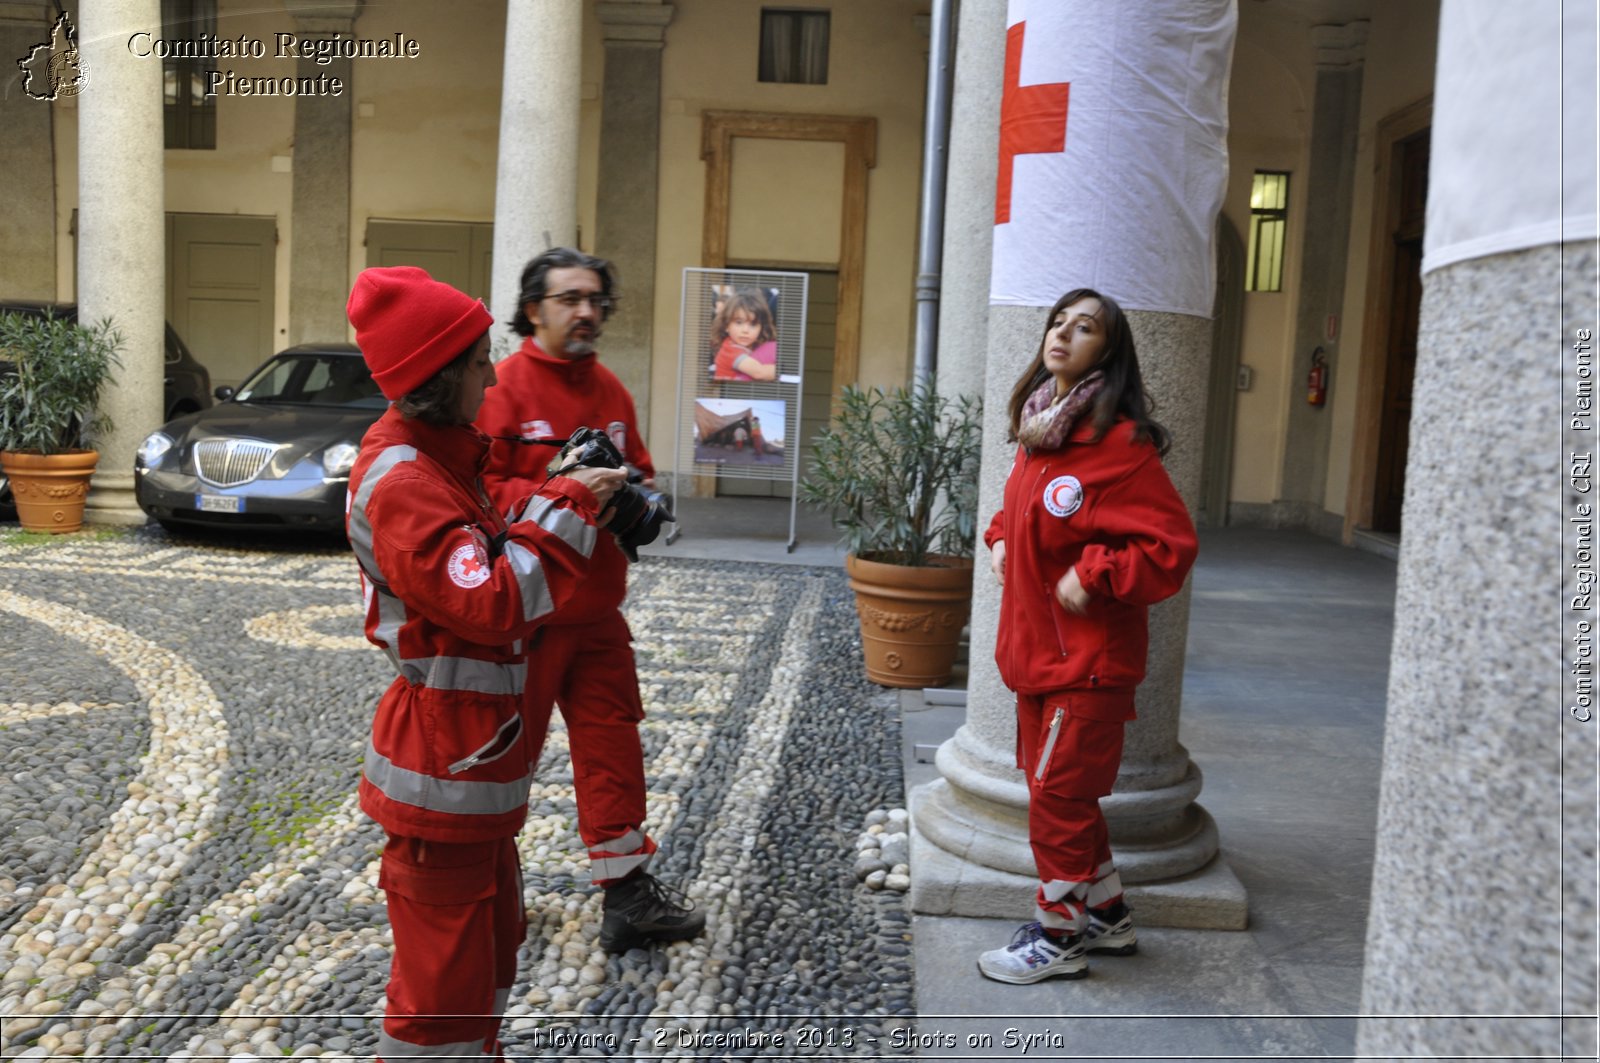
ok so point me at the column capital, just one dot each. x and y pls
(634, 21)
(323, 16)
(1340, 46)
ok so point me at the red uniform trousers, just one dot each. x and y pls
(587, 670)
(1070, 746)
(456, 913)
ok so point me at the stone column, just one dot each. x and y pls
(1330, 187)
(1483, 887)
(536, 178)
(969, 197)
(319, 227)
(121, 241)
(27, 156)
(970, 848)
(630, 157)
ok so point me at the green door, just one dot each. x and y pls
(221, 281)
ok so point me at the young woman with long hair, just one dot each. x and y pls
(1091, 533)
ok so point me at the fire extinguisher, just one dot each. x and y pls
(1317, 380)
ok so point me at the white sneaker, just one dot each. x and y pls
(1112, 936)
(1034, 956)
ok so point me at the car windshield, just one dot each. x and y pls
(314, 380)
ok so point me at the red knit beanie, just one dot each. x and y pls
(409, 326)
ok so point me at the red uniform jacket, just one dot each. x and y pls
(1109, 509)
(451, 591)
(537, 395)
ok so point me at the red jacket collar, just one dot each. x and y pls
(574, 368)
(460, 448)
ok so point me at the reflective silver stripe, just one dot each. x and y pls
(1103, 890)
(1056, 889)
(465, 673)
(1057, 921)
(536, 600)
(391, 617)
(455, 796)
(393, 1048)
(626, 845)
(563, 522)
(616, 866)
(360, 526)
(1050, 744)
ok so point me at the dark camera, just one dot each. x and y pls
(637, 512)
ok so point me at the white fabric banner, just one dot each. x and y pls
(1513, 152)
(1113, 151)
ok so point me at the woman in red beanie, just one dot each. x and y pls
(1091, 534)
(452, 590)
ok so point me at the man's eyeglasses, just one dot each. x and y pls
(574, 299)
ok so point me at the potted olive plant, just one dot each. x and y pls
(899, 472)
(51, 374)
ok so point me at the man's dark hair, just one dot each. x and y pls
(437, 400)
(534, 273)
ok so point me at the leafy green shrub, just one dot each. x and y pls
(51, 373)
(899, 472)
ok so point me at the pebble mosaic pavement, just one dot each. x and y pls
(185, 874)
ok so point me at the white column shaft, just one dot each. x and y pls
(536, 180)
(969, 197)
(121, 242)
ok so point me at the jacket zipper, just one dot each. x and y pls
(496, 747)
(1037, 477)
(1053, 606)
(1049, 744)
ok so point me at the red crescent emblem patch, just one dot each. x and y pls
(1063, 496)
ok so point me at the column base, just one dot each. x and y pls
(111, 501)
(942, 883)
(975, 861)
(130, 516)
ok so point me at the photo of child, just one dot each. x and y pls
(745, 336)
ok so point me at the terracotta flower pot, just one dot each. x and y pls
(911, 618)
(49, 489)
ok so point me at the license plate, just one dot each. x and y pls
(219, 503)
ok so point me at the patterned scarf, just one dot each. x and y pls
(1046, 419)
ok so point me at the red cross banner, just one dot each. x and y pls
(1113, 151)
(1514, 124)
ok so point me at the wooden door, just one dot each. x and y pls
(457, 253)
(1227, 332)
(1400, 359)
(221, 282)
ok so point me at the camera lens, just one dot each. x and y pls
(640, 513)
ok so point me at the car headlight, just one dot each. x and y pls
(153, 449)
(337, 459)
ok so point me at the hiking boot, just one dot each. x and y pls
(1110, 931)
(641, 909)
(1034, 956)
